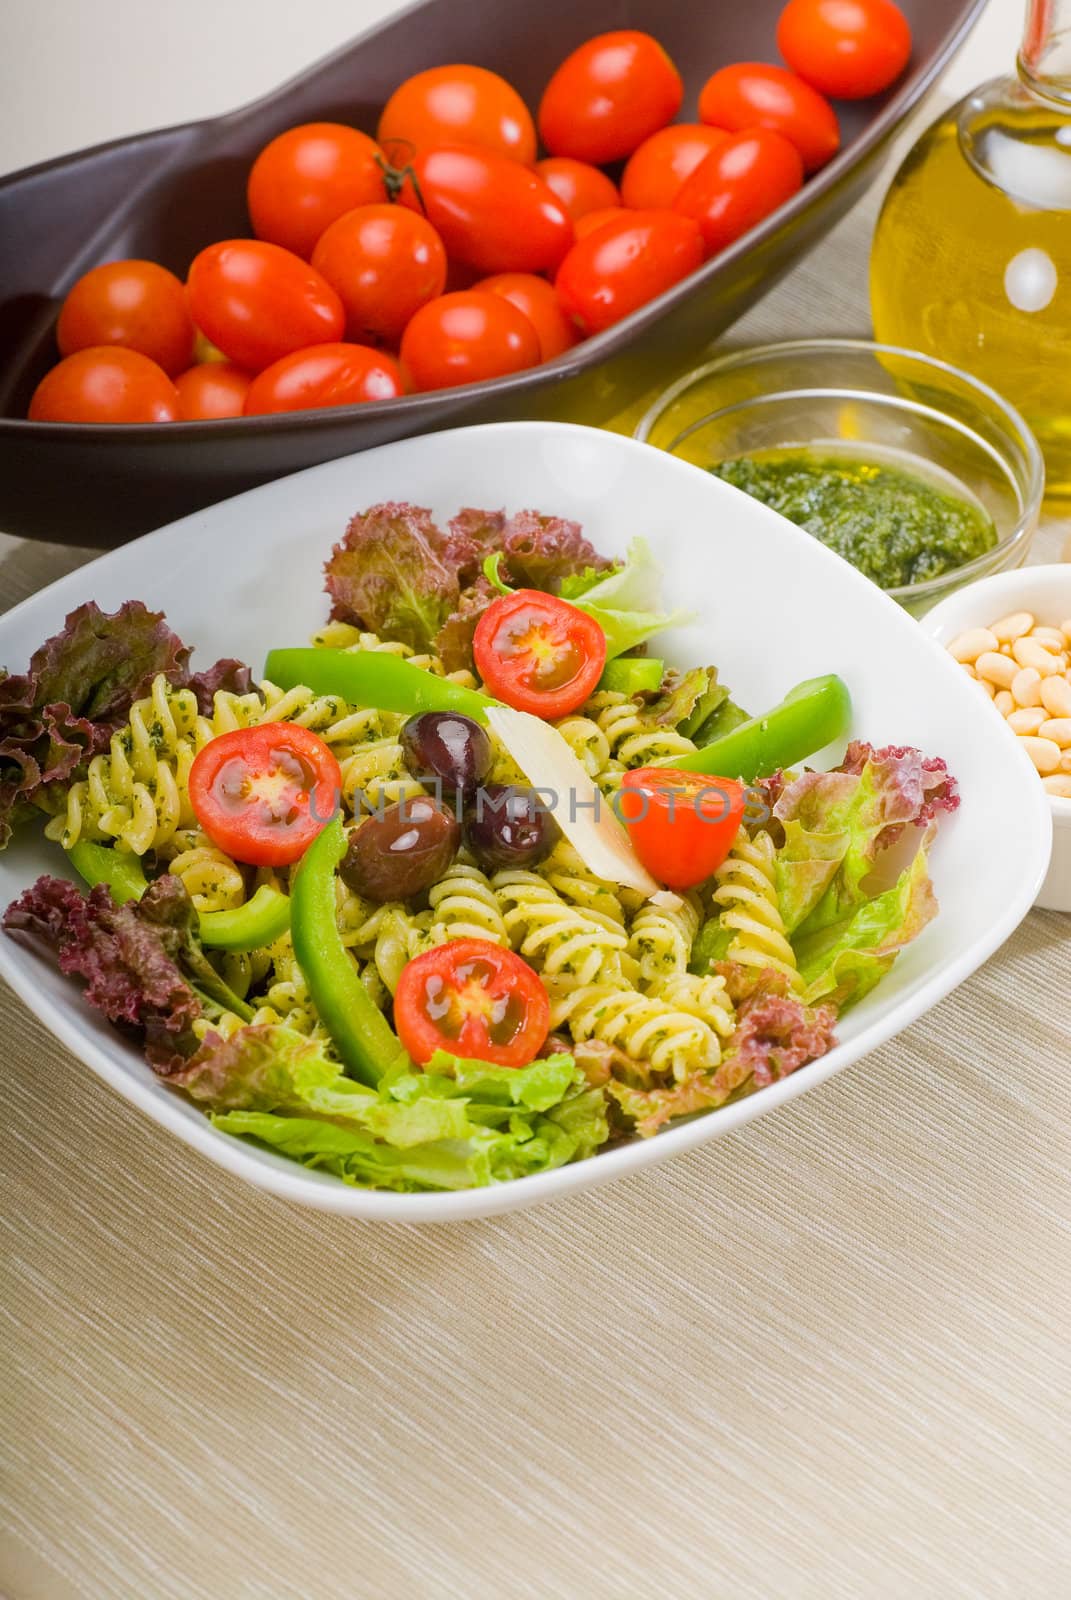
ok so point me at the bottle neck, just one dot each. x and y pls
(1045, 56)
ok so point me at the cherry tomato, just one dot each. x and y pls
(307, 177)
(754, 95)
(213, 389)
(681, 824)
(258, 302)
(105, 384)
(489, 211)
(595, 219)
(384, 263)
(580, 187)
(262, 794)
(539, 302)
(656, 171)
(447, 104)
(748, 177)
(625, 263)
(539, 653)
(324, 375)
(473, 999)
(135, 304)
(848, 49)
(466, 338)
(608, 97)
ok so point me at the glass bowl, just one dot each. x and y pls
(853, 395)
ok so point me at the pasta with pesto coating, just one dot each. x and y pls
(746, 895)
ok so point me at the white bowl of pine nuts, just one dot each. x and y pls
(1012, 633)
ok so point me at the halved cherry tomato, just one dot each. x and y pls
(212, 390)
(466, 338)
(489, 211)
(539, 653)
(682, 824)
(579, 186)
(258, 302)
(135, 304)
(307, 177)
(445, 104)
(105, 384)
(753, 94)
(384, 263)
(539, 302)
(734, 188)
(656, 172)
(473, 999)
(591, 220)
(324, 375)
(624, 263)
(262, 794)
(848, 49)
(609, 96)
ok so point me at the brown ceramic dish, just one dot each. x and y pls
(165, 195)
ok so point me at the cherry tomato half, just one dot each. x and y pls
(258, 302)
(579, 186)
(135, 304)
(539, 653)
(262, 794)
(608, 96)
(105, 384)
(489, 211)
(324, 375)
(384, 263)
(656, 172)
(447, 104)
(474, 999)
(307, 177)
(623, 264)
(595, 219)
(740, 183)
(848, 49)
(755, 95)
(539, 301)
(465, 338)
(682, 824)
(212, 390)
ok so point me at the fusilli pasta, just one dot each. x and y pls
(645, 1027)
(633, 741)
(746, 894)
(557, 938)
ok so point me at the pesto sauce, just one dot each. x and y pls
(894, 526)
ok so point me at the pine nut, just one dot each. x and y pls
(1012, 626)
(1026, 687)
(1043, 753)
(1004, 702)
(1058, 729)
(969, 670)
(1058, 784)
(984, 683)
(998, 669)
(1055, 696)
(970, 645)
(1051, 638)
(1029, 653)
(1026, 721)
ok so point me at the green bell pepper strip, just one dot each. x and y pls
(374, 678)
(810, 716)
(102, 863)
(361, 1033)
(633, 675)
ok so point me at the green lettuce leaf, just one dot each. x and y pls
(621, 603)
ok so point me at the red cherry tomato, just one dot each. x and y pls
(592, 220)
(848, 49)
(324, 375)
(473, 999)
(754, 95)
(262, 794)
(539, 653)
(681, 824)
(489, 211)
(135, 304)
(384, 263)
(608, 96)
(258, 302)
(580, 187)
(446, 104)
(212, 390)
(466, 338)
(105, 384)
(307, 177)
(623, 264)
(732, 190)
(656, 171)
(539, 302)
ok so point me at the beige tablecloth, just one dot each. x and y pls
(824, 1359)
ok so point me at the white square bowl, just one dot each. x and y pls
(772, 605)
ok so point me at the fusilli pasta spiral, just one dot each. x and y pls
(557, 938)
(661, 936)
(465, 906)
(747, 895)
(633, 742)
(645, 1027)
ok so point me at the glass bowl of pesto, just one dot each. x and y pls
(915, 472)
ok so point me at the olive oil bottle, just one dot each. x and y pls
(972, 254)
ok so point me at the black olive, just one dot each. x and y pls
(401, 850)
(506, 826)
(450, 747)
